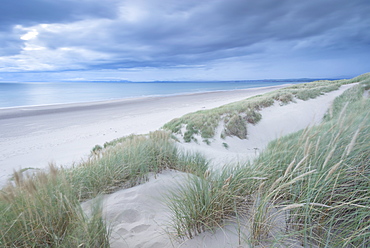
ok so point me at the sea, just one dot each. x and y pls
(49, 93)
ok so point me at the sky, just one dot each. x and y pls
(179, 40)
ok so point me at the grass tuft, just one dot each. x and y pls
(205, 122)
(322, 176)
(236, 126)
(128, 161)
(309, 188)
(43, 211)
(206, 201)
(318, 179)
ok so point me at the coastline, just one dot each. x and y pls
(33, 137)
(137, 216)
(16, 111)
(67, 95)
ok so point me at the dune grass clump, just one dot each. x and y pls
(314, 89)
(128, 161)
(360, 78)
(310, 188)
(321, 176)
(205, 202)
(318, 179)
(350, 95)
(252, 117)
(194, 163)
(236, 126)
(96, 149)
(44, 211)
(205, 122)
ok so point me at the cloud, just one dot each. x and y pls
(93, 35)
(26, 13)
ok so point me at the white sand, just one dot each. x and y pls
(65, 134)
(137, 216)
(276, 121)
(140, 219)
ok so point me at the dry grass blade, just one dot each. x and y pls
(333, 169)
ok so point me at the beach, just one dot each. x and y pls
(184, 124)
(139, 216)
(33, 137)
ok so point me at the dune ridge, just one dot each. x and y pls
(157, 192)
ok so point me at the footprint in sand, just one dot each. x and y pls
(140, 228)
(122, 231)
(129, 216)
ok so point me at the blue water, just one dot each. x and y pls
(34, 94)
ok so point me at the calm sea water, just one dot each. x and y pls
(33, 94)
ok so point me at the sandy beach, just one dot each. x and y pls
(138, 215)
(33, 137)
(184, 124)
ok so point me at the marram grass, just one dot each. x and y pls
(128, 162)
(206, 201)
(322, 176)
(317, 178)
(242, 113)
(310, 188)
(44, 210)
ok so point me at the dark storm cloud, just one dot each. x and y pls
(31, 12)
(161, 33)
(219, 29)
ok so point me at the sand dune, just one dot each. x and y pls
(276, 121)
(32, 137)
(138, 215)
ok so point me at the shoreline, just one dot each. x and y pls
(16, 111)
(137, 216)
(33, 137)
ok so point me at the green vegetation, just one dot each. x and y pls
(124, 164)
(236, 126)
(316, 180)
(311, 187)
(237, 115)
(206, 201)
(44, 210)
(96, 149)
(322, 176)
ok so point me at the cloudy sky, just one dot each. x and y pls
(148, 40)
